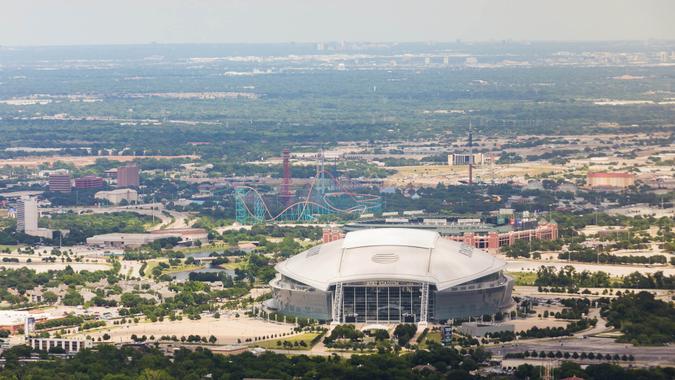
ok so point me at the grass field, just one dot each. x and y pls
(272, 344)
(10, 247)
(182, 268)
(432, 336)
(523, 278)
(528, 278)
(204, 247)
(232, 266)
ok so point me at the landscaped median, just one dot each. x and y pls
(304, 341)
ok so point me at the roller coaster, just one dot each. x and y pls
(326, 196)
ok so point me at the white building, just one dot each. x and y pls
(27, 216)
(69, 346)
(118, 195)
(14, 320)
(466, 159)
(122, 240)
(135, 240)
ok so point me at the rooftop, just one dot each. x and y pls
(610, 175)
(402, 237)
(398, 254)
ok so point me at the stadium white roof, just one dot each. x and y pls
(390, 254)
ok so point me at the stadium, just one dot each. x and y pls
(391, 275)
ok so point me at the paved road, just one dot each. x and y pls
(175, 219)
(614, 270)
(661, 355)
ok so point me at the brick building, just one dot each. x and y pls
(128, 176)
(89, 182)
(60, 182)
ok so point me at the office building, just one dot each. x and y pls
(128, 176)
(26, 214)
(89, 182)
(60, 182)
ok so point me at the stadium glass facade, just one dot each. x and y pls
(383, 301)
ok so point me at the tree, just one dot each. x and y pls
(57, 350)
(73, 298)
(154, 374)
(49, 297)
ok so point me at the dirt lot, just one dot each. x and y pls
(227, 329)
(430, 175)
(33, 162)
(526, 324)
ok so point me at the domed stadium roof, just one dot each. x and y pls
(390, 254)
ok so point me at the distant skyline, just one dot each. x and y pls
(93, 22)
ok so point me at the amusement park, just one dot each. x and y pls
(326, 194)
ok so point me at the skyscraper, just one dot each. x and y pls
(127, 176)
(26, 215)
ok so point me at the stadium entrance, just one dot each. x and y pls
(384, 301)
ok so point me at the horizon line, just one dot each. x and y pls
(458, 41)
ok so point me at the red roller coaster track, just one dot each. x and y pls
(362, 201)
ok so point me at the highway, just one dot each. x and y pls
(654, 355)
(175, 219)
(614, 270)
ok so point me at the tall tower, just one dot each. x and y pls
(285, 193)
(320, 175)
(470, 154)
(26, 215)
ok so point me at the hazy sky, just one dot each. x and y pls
(68, 22)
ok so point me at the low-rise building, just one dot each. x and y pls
(118, 196)
(610, 180)
(89, 182)
(69, 346)
(473, 233)
(15, 320)
(122, 240)
(135, 240)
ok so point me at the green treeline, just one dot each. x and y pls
(642, 319)
(568, 277)
(110, 363)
